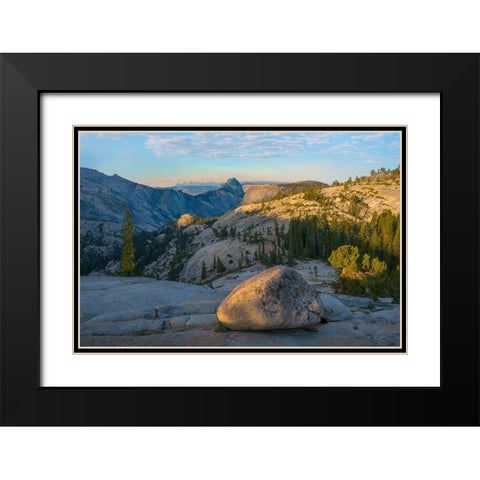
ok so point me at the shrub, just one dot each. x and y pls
(345, 256)
(221, 328)
(349, 286)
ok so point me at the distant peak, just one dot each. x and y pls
(93, 171)
(232, 181)
(87, 169)
(233, 185)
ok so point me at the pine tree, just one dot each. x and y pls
(204, 270)
(223, 233)
(366, 262)
(277, 231)
(290, 257)
(345, 257)
(128, 266)
(396, 243)
(378, 267)
(272, 258)
(220, 265)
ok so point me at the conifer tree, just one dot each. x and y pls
(204, 270)
(220, 265)
(272, 258)
(378, 267)
(128, 266)
(346, 257)
(290, 256)
(366, 262)
(396, 243)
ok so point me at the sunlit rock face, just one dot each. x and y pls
(277, 298)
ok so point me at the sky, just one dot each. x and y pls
(162, 159)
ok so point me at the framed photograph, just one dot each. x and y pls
(242, 233)
(278, 261)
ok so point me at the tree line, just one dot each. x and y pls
(369, 250)
(316, 237)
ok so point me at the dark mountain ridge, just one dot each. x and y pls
(106, 198)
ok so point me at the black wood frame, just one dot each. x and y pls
(23, 77)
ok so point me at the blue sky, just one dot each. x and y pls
(166, 158)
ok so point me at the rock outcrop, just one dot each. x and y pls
(138, 311)
(333, 309)
(259, 193)
(274, 299)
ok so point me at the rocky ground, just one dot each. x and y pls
(140, 311)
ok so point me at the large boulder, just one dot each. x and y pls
(276, 298)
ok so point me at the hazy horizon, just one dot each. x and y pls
(165, 158)
(212, 183)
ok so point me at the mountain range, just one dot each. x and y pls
(245, 224)
(105, 198)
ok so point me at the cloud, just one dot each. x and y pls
(115, 137)
(370, 161)
(235, 144)
(344, 148)
(105, 135)
(374, 136)
(394, 145)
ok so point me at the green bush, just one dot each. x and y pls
(221, 328)
(345, 256)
